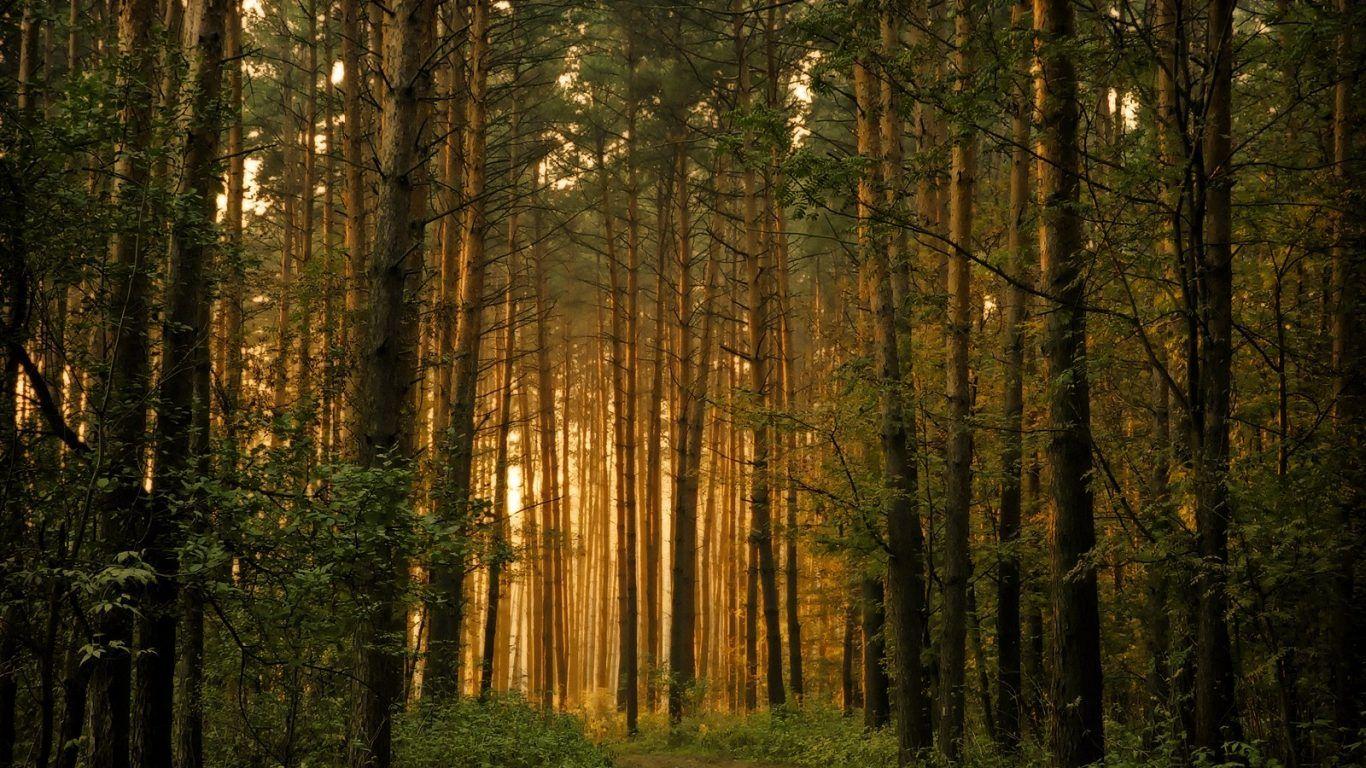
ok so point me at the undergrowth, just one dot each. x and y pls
(822, 737)
(505, 732)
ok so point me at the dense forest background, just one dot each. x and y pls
(963, 381)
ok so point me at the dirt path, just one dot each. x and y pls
(665, 760)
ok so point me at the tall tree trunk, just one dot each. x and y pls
(906, 556)
(354, 238)
(388, 370)
(760, 498)
(288, 129)
(1216, 715)
(690, 420)
(306, 409)
(654, 459)
(958, 452)
(1079, 737)
(683, 600)
(234, 291)
(876, 705)
(1349, 368)
(493, 607)
(1171, 132)
(623, 403)
(553, 572)
(1012, 407)
(444, 634)
(182, 411)
(123, 414)
(785, 447)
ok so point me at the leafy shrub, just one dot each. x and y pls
(505, 732)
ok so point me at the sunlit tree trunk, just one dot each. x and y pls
(690, 420)
(958, 452)
(654, 455)
(683, 600)
(876, 704)
(455, 469)
(354, 237)
(234, 290)
(307, 407)
(495, 604)
(279, 372)
(552, 573)
(760, 497)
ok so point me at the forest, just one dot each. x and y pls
(733, 383)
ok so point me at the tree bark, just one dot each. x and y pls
(1008, 676)
(761, 505)
(958, 452)
(389, 369)
(354, 238)
(455, 468)
(691, 419)
(123, 415)
(493, 604)
(654, 459)
(905, 541)
(1079, 737)
(182, 415)
(876, 704)
(1216, 715)
(1349, 368)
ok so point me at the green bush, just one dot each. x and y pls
(505, 732)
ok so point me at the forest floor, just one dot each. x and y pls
(674, 760)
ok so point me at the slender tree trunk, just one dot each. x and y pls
(552, 574)
(654, 459)
(1170, 146)
(493, 607)
(958, 455)
(234, 291)
(906, 566)
(279, 373)
(354, 238)
(683, 600)
(876, 705)
(182, 411)
(690, 420)
(389, 369)
(444, 634)
(760, 499)
(1216, 715)
(1349, 368)
(122, 414)
(1079, 737)
(623, 400)
(307, 406)
(1012, 406)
